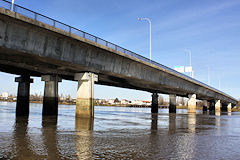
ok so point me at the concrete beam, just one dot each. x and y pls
(154, 108)
(50, 99)
(22, 106)
(192, 103)
(85, 94)
(172, 103)
(218, 106)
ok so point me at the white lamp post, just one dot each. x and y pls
(190, 60)
(149, 21)
(208, 76)
(12, 5)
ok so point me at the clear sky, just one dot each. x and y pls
(209, 28)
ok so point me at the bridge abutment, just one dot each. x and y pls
(172, 103)
(192, 103)
(50, 99)
(85, 94)
(154, 108)
(22, 106)
(218, 106)
(205, 105)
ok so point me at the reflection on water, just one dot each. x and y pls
(172, 123)
(154, 124)
(23, 148)
(118, 133)
(191, 122)
(218, 113)
(49, 137)
(84, 131)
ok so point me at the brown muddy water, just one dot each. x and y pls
(118, 133)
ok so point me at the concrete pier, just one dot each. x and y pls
(50, 99)
(229, 107)
(172, 103)
(85, 94)
(211, 106)
(192, 103)
(218, 106)
(154, 108)
(22, 106)
(205, 105)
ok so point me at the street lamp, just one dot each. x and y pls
(149, 21)
(208, 76)
(12, 5)
(190, 60)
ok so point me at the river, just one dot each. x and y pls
(118, 133)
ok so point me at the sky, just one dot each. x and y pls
(209, 28)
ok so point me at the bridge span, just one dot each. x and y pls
(32, 44)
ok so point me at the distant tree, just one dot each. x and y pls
(116, 100)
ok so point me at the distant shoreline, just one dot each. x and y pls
(235, 109)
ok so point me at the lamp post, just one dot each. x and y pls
(208, 76)
(150, 23)
(190, 60)
(12, 5)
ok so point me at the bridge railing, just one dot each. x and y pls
(71, 30)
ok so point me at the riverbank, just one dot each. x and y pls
(236, 109)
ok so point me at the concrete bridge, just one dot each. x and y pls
(34, 45)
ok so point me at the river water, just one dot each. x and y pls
(118, 133)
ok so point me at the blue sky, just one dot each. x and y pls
(209, 28)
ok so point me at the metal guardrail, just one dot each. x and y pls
(74, 31)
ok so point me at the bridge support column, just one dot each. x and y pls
(172, 103)
(50, 99)
(205, 105)
(85, 94)
(154, 108)
(22, 106)
(218, 106)
(229, 107)
(211, 106)
(192, 103)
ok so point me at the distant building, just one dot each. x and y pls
(100, 101)
(137, 102)
(124, 101)
(74, 100)
(111, 101)
(147, 103)
(5, 95)
(140, 102)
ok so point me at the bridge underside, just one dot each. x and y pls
(20, 63)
